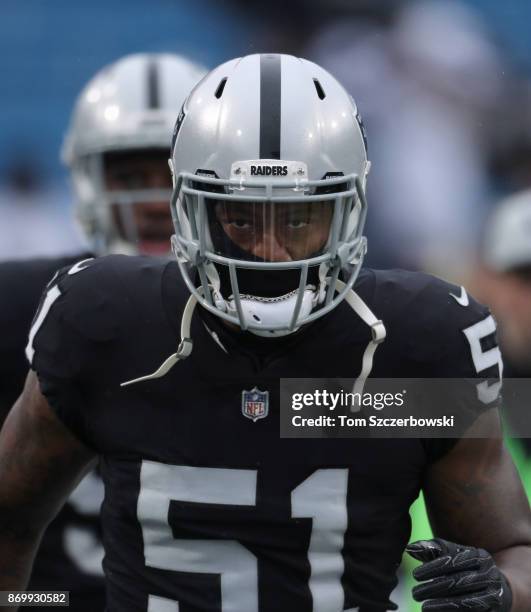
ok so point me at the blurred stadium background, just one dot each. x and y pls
(444, 87)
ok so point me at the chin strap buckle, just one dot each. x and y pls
(378, 332)
(185, 348)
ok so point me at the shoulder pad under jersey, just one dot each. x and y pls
(437, 322)
(85, 306)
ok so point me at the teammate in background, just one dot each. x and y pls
(116, 149)
(205, 507)
(507, 278)
(504, 282)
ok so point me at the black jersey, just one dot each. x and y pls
(215, 511)
(69, 557)
(21, 286)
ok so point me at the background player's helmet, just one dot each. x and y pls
(266, 145)
(129, 106)
(507, 239)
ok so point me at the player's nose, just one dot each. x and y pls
(157, 209)
(269, 248)
(159, 179)
(153, 218)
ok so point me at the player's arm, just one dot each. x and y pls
(40, 463)
(475, 498)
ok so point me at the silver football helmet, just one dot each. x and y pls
(269, 163)
(129, 106)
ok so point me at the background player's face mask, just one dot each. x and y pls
(138, 192)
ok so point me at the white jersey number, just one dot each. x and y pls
(51, 296)
(321, 497)
(485, 359)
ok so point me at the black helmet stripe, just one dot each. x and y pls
(153, 85)
(270, 119)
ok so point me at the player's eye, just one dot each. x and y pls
(297, 223)
(130, 180)
(240, 224)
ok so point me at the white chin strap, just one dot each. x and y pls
(378, 336)
(258, 307)
(272, 312)
(184, 350)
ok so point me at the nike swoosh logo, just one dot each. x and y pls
(462, 299)
(78, 266)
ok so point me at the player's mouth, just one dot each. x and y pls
(154, 246)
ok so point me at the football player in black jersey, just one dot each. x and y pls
(169, 371)
(116, 149)
(505, 278)
(504, 282)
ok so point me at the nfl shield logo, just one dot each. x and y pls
(255, 404)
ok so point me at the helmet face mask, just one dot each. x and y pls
(137, 193)
(260, 233)
(127, 109)
(260, 240)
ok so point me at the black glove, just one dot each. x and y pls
(458, 578)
